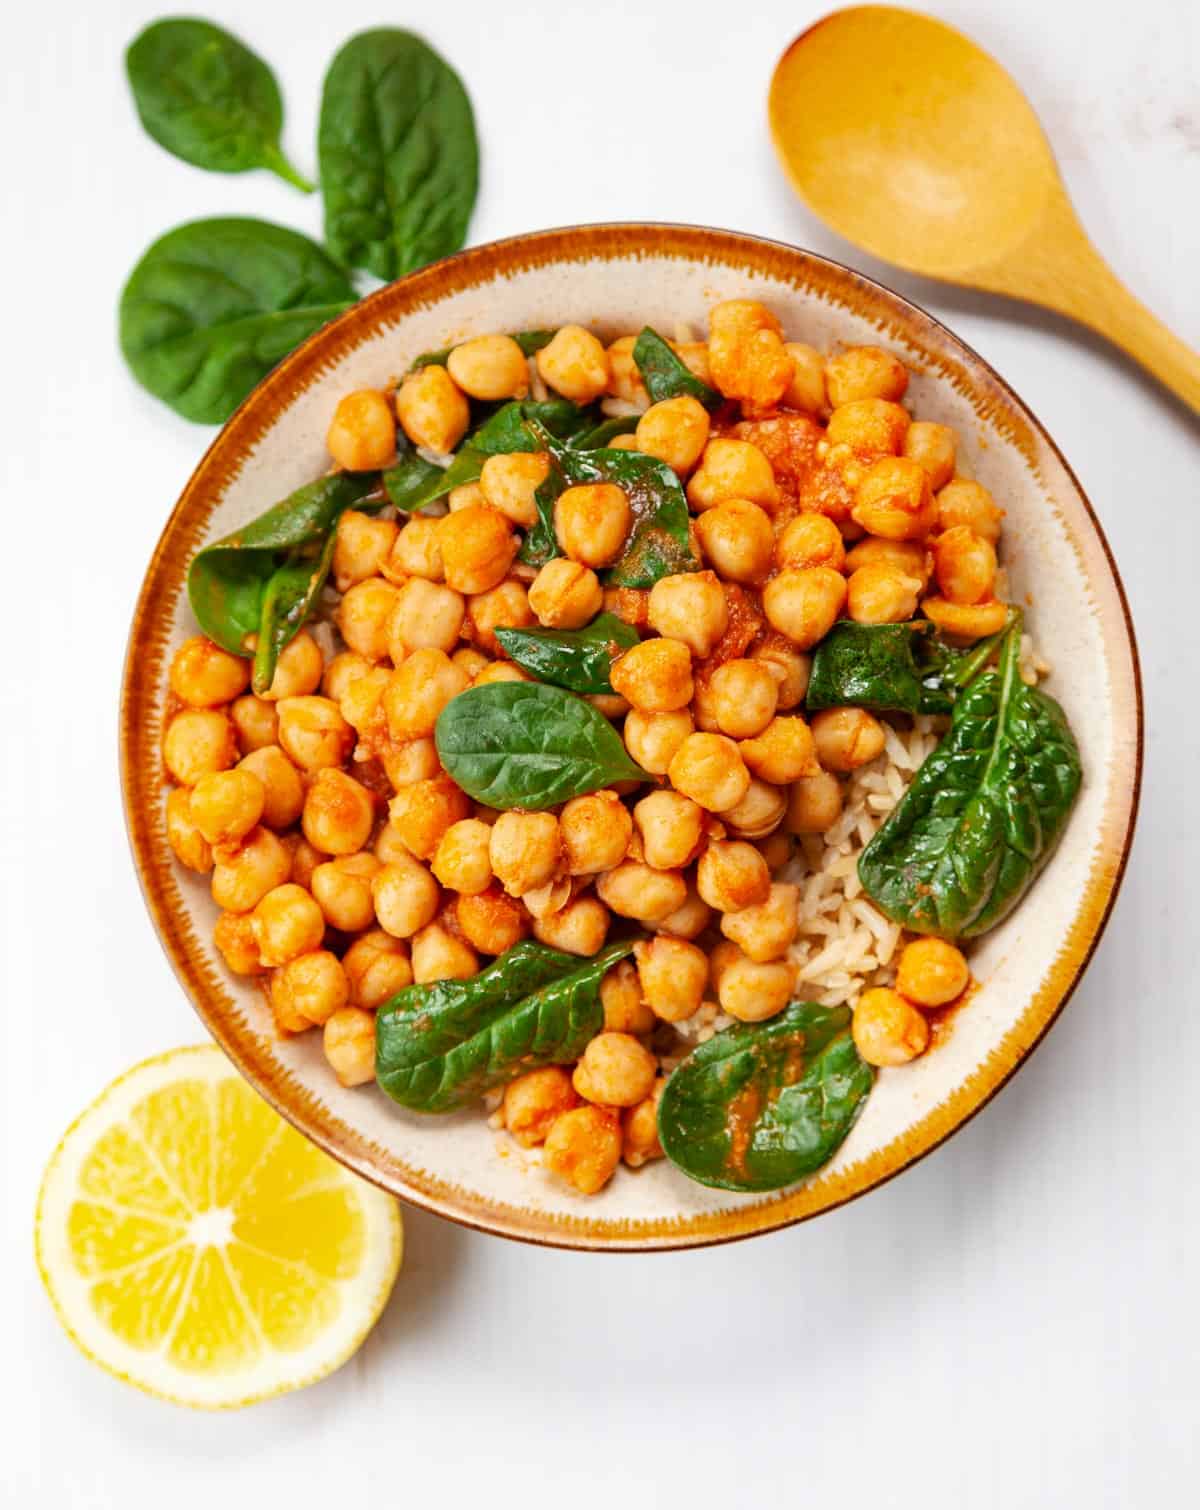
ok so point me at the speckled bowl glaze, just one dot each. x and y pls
(616, 278)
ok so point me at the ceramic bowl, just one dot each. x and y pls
(615, 278)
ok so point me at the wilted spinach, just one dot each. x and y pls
(440, 1047)
(398, 153)
(984, 812)
(578, 659)
(598, 437)
(763, 1104)
(205, 97)
(666, 375)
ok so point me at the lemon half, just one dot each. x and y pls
(195, 1245)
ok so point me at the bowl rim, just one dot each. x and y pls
(141, 699)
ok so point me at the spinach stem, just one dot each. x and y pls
(275, 162)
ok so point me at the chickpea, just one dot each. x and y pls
(811, 540)
(504, 607)
(869, 426)
(675, 431)
(533, 1102)
(341, 888)
(777, 849)
(199, 741)
(362, 433)
(416, 552)
(964, 502)
(413, 760)
(804, 602)
(967, 621)
(767, 930)
(426, 615)
(709, 769)
(759, 812)
(592, 522)
(694, 356)
(625, 380)
(478, 547)
(672, 974)
(349, 1043)
(233, 934)
(406, 897)
(462, 861)
(906, 557)
(616, 1070)
(806, 391)
(438, 954)
(846, 738)
(752, 991)
(578, 928)
(746, 354)
(204, 676)
(732, 469)
(188, 844)
(887, 1029)
(814, 804)
(417, 691)
(595, 831)
(255, 723)
(671, 827)
(490, 367)
(865, 372)
(688, 921)
(621, 998)
(525, 850)
(340, 675)
(313, 732)
(653, 738)
(583, 1147)
(432, 409)
(738, 539)
(932, 446)
(931, 973)
(575, 364)
(286, 922)
(226, 805)
(305, 859)
(965, 565)
(881, 595)
(422, 812)
(639, 1128)
(565, 595)
(745, 695)
(509, 482)
(634, 890)
(790, 668)
(469, 660)
(732, 875)
(376, 966)
(655, 676)
(339, 813)
(363, 616)
(308, 990)
(689, 607)
(468, 495)
(492, 921)
(501, 671)
(894, 500)
(299, 668)
(361, 545)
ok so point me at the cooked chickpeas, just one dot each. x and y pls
(881, 595)
(438, 954)
(967, 621)
(283, 790)
(578, 928)
(790, 668)
(505, 606)
(672, 974)
(340, 675)
(616, 1070)
(709, 769)
(205, 676)
(690, 919)
(308, 990)
(233, 934)
(869, 426)
(286, 922)
(814, 804)
(462, 860)
(243, 876)
(489, 368)
(492, 921)
(199, 741)
(509, 481)
(583, 1146)
(188, 844)
(931, 973)
(411, 760)
(634, 890)
(227, 804)
(804, 603)
(655, 676)
(565, 595)
(364, 616)
(426, 615)
(575, 364)
(423, 811)
(592, 522)
(732, 469)
(595, 831)
(783, 752)
(671, 826)
(362, 433)
(432, 410)
(625, 379)
(969, 503)
(759, 812)
(416, 552)
(745, 695)
(478, 547)
(639, 1128)
(533, 1103)
(746, 354)
(752, 991)
(894, 500)
(255, 723)
(690, 607)
(406, 897)
(887, 1029)
(933, 447)
(965, 565)
(305, 859)
(864, 372)
(732, 875)
(905, 557)
(621, 997)
(341, 888)
(299, 668)
(653, 738)
(525, 850)
(675, 431)
(313, 732)
(361, 546)
(738, 539)
(767, 930)
(846, 738)
(376, 966)
(468, 495)
(349, 1044)
(806, 391)
(811, 540)
(418, 691)
(339, 813)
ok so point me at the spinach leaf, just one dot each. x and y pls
(984, 812)
(579, 659)
(901, 668)
(763, 1104)
(666, 375)
(598, 437)
(411, 481)
(398, 154)
(215, 304)
(265, 578)
(523, 744)
(204, 96)
(440, 1047)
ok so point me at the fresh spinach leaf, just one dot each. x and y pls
(215, 304)
(665, 375)
(205, 97)
(398, 153)
(763, 1104)
(411, 481)
(526, 745)
(984, 812)
(578, 659)
(900, 668)
(598, 437)
(440, 1047)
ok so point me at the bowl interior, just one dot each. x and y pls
(615, 279)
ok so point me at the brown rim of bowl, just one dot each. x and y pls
(140, 758)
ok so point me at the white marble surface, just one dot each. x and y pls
(1014, 1322)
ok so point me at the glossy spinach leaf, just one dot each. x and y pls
(411, 481)
(205, 97)
(598, 437)
(666, 375)
(526, 745)
(440, 1047)
(215, 304)
(984, 812)
(578, 659)
(264, 579)
(398, 153)
(763, 1104)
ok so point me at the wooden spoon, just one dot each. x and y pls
(910, 141)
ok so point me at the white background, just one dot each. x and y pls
(1014, 1322)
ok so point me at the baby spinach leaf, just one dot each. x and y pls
(440, 1047)
(411, 481)
(667, 375)
(984, 812)
(598, 437)
(215, 304)
(579, 659)
(526, 745)
(398, 153)
(204, 96)
(763, 1104)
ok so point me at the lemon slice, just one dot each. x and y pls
(194, 1244)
